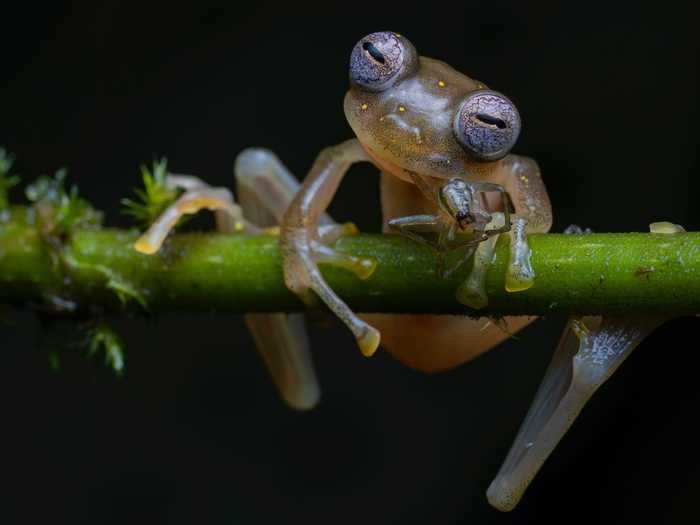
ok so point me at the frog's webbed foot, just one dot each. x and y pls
(303, 248)
(589, 352)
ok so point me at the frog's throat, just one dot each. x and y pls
(387, 166)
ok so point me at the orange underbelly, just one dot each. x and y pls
(433, 343)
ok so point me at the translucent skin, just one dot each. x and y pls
(407, 132)
(408, 127)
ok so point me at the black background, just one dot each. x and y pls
(194, 432)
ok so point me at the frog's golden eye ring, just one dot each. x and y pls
(380, 59)
(487, 124)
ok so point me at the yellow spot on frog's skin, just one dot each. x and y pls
(402, 109)
(524, 179)
(363, 107)
(397, 35)
(441, 83)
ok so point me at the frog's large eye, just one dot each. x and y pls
(380, 59)
(487, 124)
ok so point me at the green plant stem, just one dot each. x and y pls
(598, 273)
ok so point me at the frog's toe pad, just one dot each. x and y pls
(369, 341)
(520, 277)
(144, 246)
(362, 267)
(665, 227)
(503, 496)
(472, 294)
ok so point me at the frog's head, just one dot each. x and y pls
(416, 114)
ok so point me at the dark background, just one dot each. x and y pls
(194, 432)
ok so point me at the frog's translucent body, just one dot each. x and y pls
(442, 142)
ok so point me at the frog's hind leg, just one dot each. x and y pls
(265, 188)
(198, 195)
(588, 353)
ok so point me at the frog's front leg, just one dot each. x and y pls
(520, 177)
(433, 231)
(428, 342)
(300, 245)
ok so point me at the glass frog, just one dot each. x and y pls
(442, 142)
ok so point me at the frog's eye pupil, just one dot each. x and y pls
(373, 52)
(491, 120)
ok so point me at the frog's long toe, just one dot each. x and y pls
(588, 354)
(519, 275)
(362, 267)
(229, 217)
(472, 292)
(303, 276)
